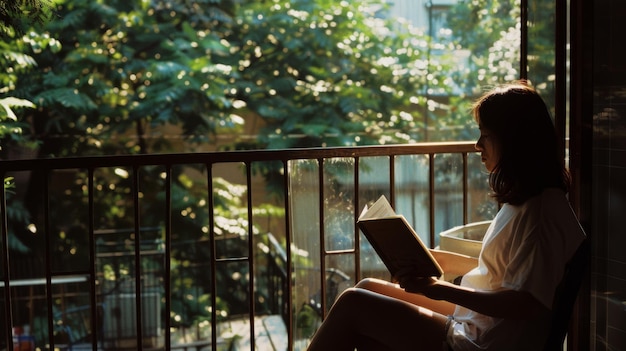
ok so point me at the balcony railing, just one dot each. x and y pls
(226, 249)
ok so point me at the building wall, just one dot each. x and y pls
(608, 213)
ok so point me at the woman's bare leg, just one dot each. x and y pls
(392, 324)
(394, 290)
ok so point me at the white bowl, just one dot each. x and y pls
(464, 239)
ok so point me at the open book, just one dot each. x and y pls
(395, 241)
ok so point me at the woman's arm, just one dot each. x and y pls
(454, 263)
(504, 303)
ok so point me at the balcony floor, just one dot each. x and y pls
(270, 335)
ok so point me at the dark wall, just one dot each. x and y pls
(608, 195)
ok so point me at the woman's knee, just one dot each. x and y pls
(372, 283)
(350, 298)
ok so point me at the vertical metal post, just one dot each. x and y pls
(465, 187)
(320, 182)
(357, 209)
(213, 262)
(47, 258)
(560, 64)
(288, 241)
(8, 317)
(251, 284)
(392, 180)
(431, 195)
(92, 259)
(168, 255)
(523, 61)
(138, 294)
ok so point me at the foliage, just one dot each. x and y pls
(9, 126)
(495, 51)
(15, 214)
(17, 15)
(328, 73)
(491, 56)
(296, 65)
(14, 58)
(128, 66)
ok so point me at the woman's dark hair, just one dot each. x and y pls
(530, 157)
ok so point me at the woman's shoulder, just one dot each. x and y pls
(552, 208)
(547, 199)
(549, 206)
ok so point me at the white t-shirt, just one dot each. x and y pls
(525, 248)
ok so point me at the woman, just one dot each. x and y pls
(504, 299)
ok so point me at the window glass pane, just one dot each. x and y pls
(541, 52)
(339, 209)
(478, 44)
(412, 192)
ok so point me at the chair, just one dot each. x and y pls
(565, 296)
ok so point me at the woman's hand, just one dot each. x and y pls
(418, 285)
(428, 286)
(410, 283)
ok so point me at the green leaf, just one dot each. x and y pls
(8, 103)
(67, 97)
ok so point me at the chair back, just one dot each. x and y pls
(565, 296)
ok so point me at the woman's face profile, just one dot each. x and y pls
(489, 151)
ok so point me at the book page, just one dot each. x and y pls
(380, 209)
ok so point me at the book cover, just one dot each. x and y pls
(395, 241)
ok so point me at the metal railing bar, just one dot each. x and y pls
(431, 197)
(234, 156)
(213, 261)
(8, 316)
(523, 60)
(339, 252)
(92, 258)
(55, 279)
(392, 182)
(123, 230)
(144, 253)
(137, 240)
(561, 72)
(465, 189)
(357, 211)
(288, 241)
(168, 256)
(231, 259)
(47, 258)
(322, 233)
(251, 269)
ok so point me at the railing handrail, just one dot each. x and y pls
(87, 162)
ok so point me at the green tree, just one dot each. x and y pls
(487, 37)
(125, 67)
(315, 72)
(328, 73)
(18, 15)
(15, 59)
(495, 51)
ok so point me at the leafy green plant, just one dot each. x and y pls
(18, 15)
(328, 73)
